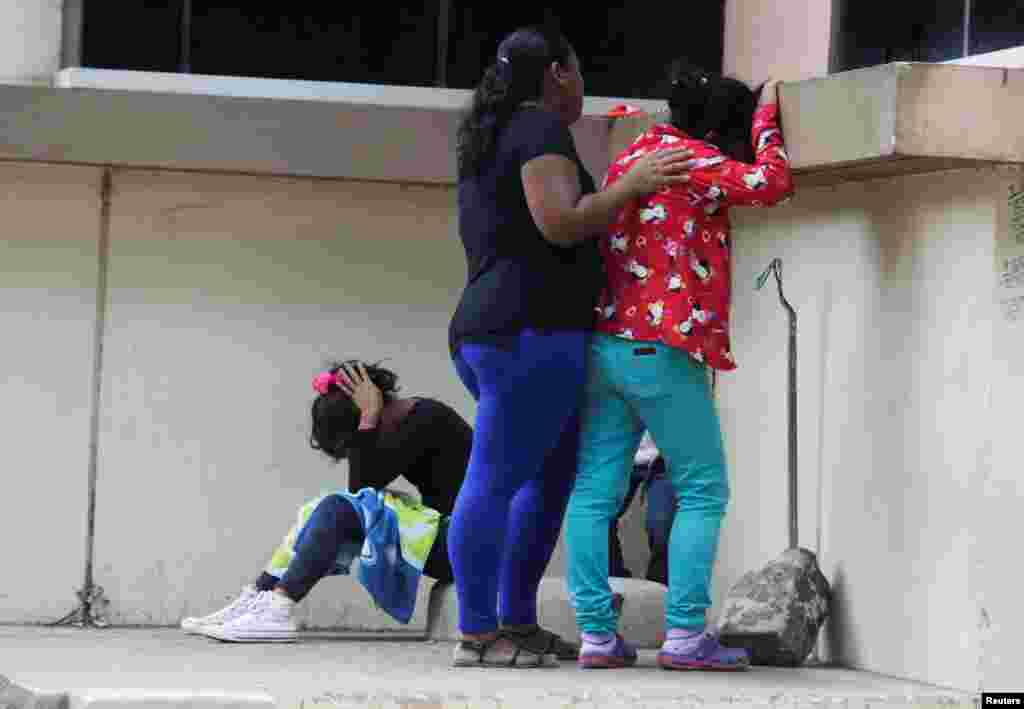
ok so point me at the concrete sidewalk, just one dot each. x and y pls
(163, 668)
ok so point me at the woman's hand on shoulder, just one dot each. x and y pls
(553, 194)
(770, 92)
(658, 169)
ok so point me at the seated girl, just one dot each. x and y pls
(357, 415)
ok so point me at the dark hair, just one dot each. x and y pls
(516, 75)
(336, 417)
(702, 102)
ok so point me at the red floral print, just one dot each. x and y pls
(668, 255)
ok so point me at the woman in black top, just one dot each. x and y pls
(528, 210)
(356, 415)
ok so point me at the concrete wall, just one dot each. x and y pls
(226, 295)
(257, 280)
(994, 578)
(48, 271)
(899, 379)
(780, 40)
(30, 40)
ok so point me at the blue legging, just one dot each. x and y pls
(509, 511)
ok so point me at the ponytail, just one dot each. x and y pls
(517, 75)
(478, 132)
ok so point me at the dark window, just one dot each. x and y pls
(142, 35)
(623, 53)
(392, 43)
(996, 24)
(476, 28)
(871, 32)
(629, 52)
(379, 43)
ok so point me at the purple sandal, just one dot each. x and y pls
(613, 653)
(707, 653)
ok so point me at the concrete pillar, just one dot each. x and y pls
(30, 40)
(782, 40)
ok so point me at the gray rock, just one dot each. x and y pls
(776, 612)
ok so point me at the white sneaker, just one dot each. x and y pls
(234, 609)
(268, 620)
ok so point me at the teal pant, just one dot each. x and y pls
(631, 386)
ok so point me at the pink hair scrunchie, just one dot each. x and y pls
(322, 382)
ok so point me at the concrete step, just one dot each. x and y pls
(163, 668)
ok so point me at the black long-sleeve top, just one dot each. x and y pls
(429, 448)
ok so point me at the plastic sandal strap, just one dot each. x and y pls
(536, 641)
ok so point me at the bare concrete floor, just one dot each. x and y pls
(120, 668)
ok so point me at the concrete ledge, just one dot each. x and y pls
(340, 603)
(228, 134)
(897, 114)
(254, 126)
(895, 119)
(642, 620)
(13, 696)
(292, 90)
(903, 117)
(168, 699)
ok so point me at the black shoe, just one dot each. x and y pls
(539, 641)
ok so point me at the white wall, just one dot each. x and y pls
(994, 577)
(892, 281)
(48, 269)
(30, 40)
(227, 295)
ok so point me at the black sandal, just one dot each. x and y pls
(539, 641)
(471, 653)
(477, 653)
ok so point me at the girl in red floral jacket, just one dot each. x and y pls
(663, 320)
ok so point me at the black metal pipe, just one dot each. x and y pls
(444, 11)
(185, 38)
(71, 34)
(967, 28)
